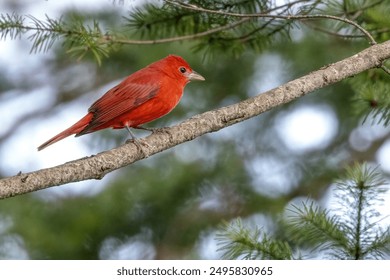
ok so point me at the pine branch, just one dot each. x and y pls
(272, 16)
(79, 39)
(359, 192)
(311, 225)
(372, 97)
(97, 166)
(182, 38)
(11, 26)
(224, 25)
(210, 27)
(380, 246)
(236, 241)
(353, 232)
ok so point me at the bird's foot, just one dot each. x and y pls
(139, 143)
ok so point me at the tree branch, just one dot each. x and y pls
(97, 166)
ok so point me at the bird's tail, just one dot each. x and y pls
(74, 129)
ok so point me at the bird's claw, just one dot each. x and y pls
(139, 144)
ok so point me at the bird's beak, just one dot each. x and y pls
(193, 76)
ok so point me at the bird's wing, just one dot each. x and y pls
(119, 100)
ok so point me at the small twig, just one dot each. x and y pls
(182, 38)
(348, 36)
(384, 68)
(356, 13)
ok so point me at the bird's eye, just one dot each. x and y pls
(182, 70)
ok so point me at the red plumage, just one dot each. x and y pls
(144, 96)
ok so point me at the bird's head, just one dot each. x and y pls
(177, 67)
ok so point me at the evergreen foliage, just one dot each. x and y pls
(236, 241)
(228, 26)
(372, 99)
(352, 232)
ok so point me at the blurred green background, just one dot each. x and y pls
(170, 206)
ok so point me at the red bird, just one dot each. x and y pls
(142, 97)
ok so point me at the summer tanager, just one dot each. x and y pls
(144, 96)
